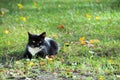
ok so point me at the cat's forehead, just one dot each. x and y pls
(35, 37)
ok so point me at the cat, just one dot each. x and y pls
(40, 46)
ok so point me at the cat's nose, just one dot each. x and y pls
(38, 44)
(32, 46)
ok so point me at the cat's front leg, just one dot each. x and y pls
(27, 55)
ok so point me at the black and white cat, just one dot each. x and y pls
(40, 45)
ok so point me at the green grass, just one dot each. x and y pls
(74, 61)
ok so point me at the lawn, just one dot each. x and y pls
(88, 32)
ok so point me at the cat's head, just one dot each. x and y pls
(36, 40)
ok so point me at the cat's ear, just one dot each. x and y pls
(43, 34)
(29, 34)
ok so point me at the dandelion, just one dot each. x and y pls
(101, 78)
(82, 39)
(88, 16)
(2, 13)
(31, 63)
(23, 19)
(110, 61)
(97, 18)
(35, 4)
(50, 60)
(61, 27)
(55, 36)
(94, 41)
(6, 31)
(20, 6)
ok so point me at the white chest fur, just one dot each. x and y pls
(33, 51)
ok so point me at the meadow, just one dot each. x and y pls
(88, 32)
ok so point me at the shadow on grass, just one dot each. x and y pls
(11, 57)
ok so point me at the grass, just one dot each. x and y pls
(94, 20)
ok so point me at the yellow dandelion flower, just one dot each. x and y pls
(30, 63)
(97, 18)
(88, 16)
(35, 4)
(2, 13)
(55, 36)
(23, 19)
(20, 6)
(50, 60)
(110, 61)
(94, 41)
(6, 31)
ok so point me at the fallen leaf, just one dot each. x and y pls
(61, 27)
(2, 70)
(82, 39)
(42, 63)
(83, 42)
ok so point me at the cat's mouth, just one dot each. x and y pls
(34, 46)
(40, 47)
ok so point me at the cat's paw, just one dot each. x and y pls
(50, 57)
(27, 59)
(47, 57)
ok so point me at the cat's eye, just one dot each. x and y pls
(33, 41)
(40, 42)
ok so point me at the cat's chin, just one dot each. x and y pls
(32, 46)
